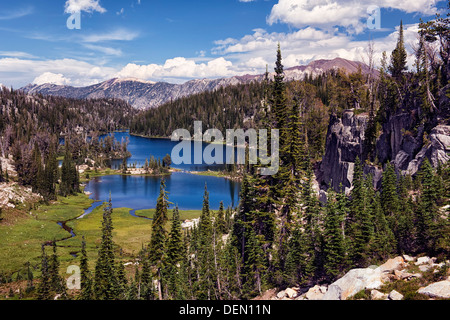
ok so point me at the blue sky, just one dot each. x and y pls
(176, 41)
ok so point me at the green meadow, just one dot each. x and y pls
(22, 238)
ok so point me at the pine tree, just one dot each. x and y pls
(44, 287)
(70, 181)
(207, 270)
(334, 248)
(157, 248)
(55, 278)
(389, 196)
(428, 213)
(86, 277)
(145, 279)
(50, 176)
(175, 257)
(398, 56)
(121, 281)
(221, 224)
(105, 280)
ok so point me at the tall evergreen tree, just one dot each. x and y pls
(157, 248)
(399, 56)
(175, 252)
(55, 278)
(86, 277)
(44, 286)
(207, 271)
(334, 249)
(105, 280)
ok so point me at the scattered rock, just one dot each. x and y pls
(422, 260)
(408, 258)
(409, 276)
(354, 281)
(437, 290)
(315, 293)
(395, 264)
(291, 293)
(424, 267)
(377, 295)
(395, 295)
(281, 294)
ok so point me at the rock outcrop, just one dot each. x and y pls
(344, 143)
(375, 280)
(403, 141)
(439, 289)
(354, 281)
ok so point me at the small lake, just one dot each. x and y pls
(143, 148)
(140, 192)
(185, 189)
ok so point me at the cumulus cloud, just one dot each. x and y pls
(62, 71)
(73, 6)
(179, 69)
(302, 46)
(350, 14)
(50, 77)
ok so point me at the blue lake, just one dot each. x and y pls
(143, 148)
(185, 189)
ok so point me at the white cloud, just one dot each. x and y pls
(350, 14)
(114, 35)
(302, 46)
(179, 69)
(49, 77)
(19, 72)
(73, 6)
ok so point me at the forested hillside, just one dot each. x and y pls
(393, 129)
(32, 126)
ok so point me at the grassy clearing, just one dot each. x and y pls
(184, 214)
(21, 240)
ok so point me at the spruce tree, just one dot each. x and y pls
(399, 56)
(428, 213)
(221, 224)
(105, 280)
(44, 286)
(55, 278)
(389, 196)
(86, 277)
(175, 250)
(157, 248)
(207, 271)
(145, 279)
(334, 248)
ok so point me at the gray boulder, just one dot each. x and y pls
(354, 281)
(437, 290)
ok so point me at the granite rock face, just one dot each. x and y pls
(403, 142)
(344, 143)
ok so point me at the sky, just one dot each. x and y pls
(83, 42)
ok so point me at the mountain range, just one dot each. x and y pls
(147, 94)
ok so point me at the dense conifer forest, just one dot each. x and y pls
(280, 235)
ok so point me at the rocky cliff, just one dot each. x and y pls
(402, 141)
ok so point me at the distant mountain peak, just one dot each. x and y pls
(143, 94)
